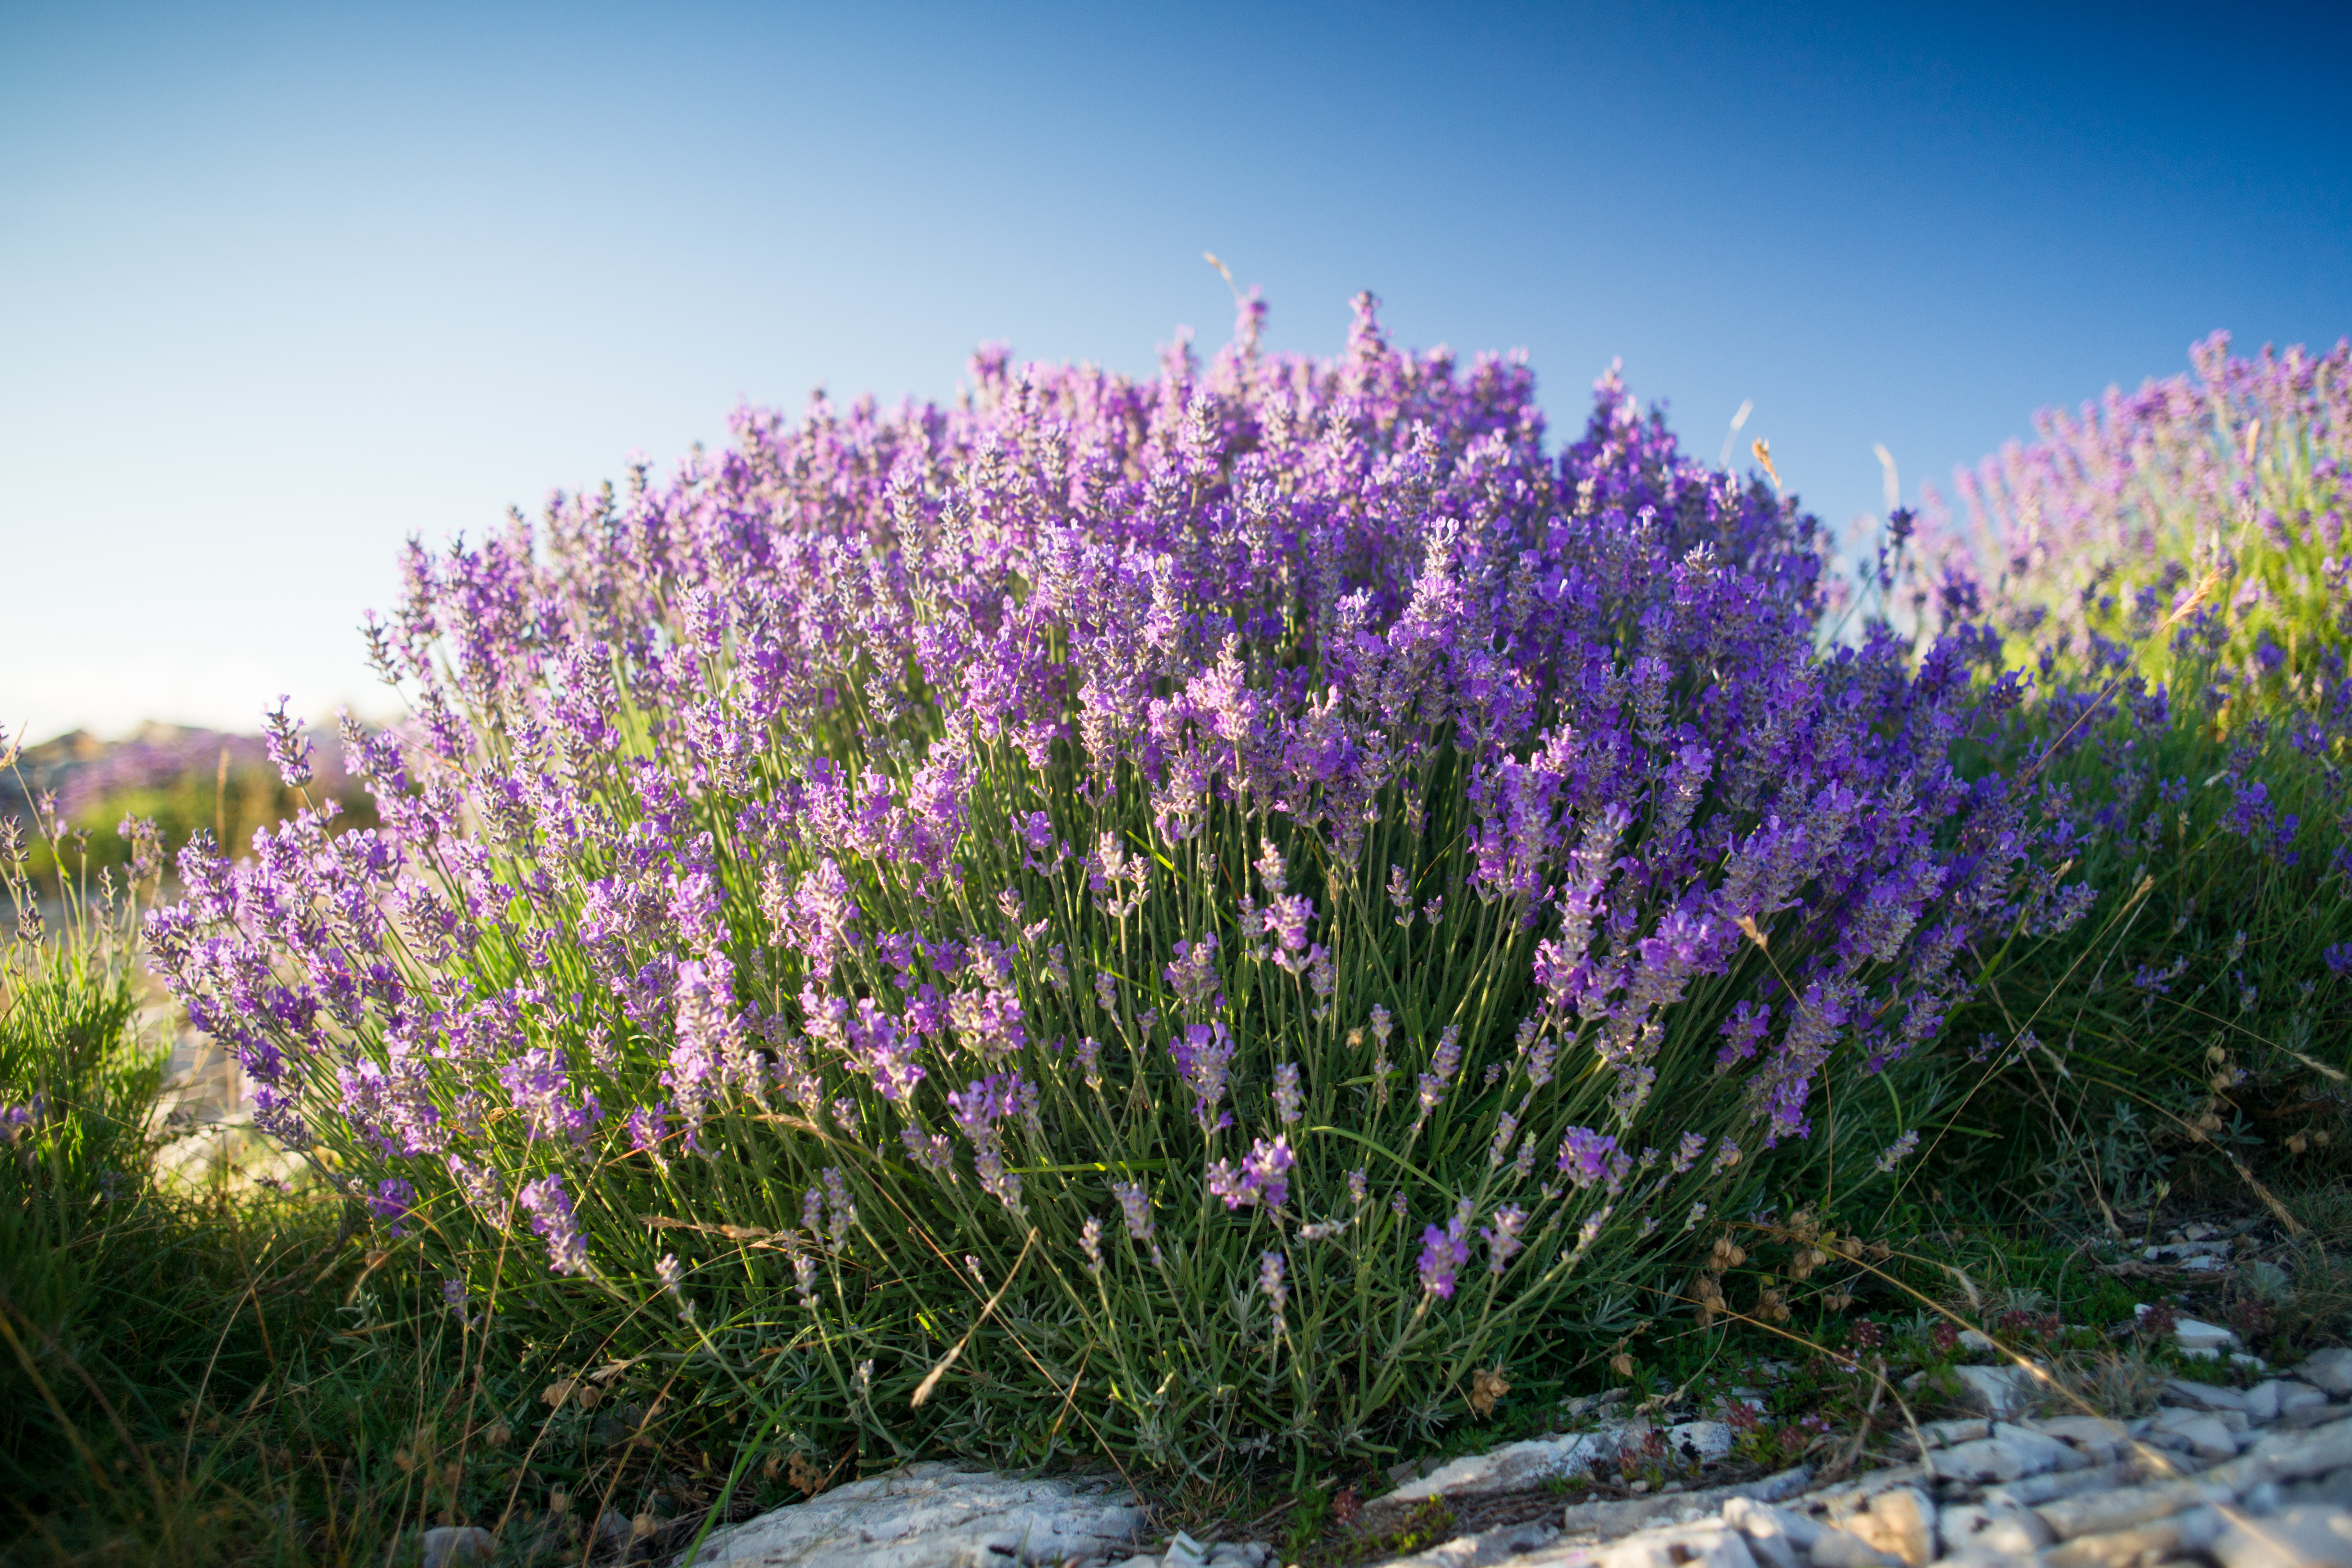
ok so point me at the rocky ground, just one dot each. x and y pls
(2244, 1478)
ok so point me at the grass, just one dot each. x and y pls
(240, 1377)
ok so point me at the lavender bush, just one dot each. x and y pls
(76, 790)
(2232, 487)
(1184, 918)
(2172, 570)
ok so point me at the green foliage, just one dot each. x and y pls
(2190, 1030)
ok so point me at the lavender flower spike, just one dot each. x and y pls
(550, 1208)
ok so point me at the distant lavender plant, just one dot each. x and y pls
(2216, 504)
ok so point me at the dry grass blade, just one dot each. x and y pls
(955, 1352)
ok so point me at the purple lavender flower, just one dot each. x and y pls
(1090, 1243)
(1136, 1206)
(1895, 1153)
(884, 1053)
(980, 1109)
(549, 1207)
(2337, 957)
(932, 1151)
(648, 1127)
(1443, 1252)
(537, 1085)
(671, 1276)
(1203, 1053)
(1262, 1177)
(1194, 975)
(290, 749)
(393, 1201)
(15, 1119)
(1443, 1065)
(1270, 1280)
(1502, 1239)
(1584, 1155)
(842, 1213)
(1286, 920)
(1288, 1100)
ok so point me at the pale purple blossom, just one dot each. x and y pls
(1262, 1177)
(1271, 1280)
(549, 1207)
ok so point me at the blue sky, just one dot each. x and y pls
(282, 285)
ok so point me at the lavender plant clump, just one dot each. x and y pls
(1181, 861)
(2168, 571)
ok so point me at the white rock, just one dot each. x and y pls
(2263, 1401)
(2292, 1455)
(2330, 1370)
(1901, 1522)
(1979, 1341)
(1998, 1391)
(1682, 1546)
(2127, 1508)
(2292, 1538)
(2193, 1334)
(1183, 1552)
(1944, 1433)
(1699, 1440)
(2016, 1532)
(448, 1545)
(1837, 1549)
(2011, 1454)
(2296, 1396)
(935, 1515)
(1514, 1466)
(2209, 1438)
(2082, 1431)
(2202, 1395)
(1777, 1537)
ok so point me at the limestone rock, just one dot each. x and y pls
(2011, 1454)
(2330, 1370)
(1511, 1468)
(2291, 1538)
(2193, 1334)
(2007, 1531)
(1901, 1522)
(1996, 1391)
(1608, 1520)
(1777, 1537)
(2082, 1431)
(2105, 1512)
(1700, 1439)
(2180, 1535)
(934, 1515)
(453, 1545)
(2208, 1437)
(1945, 1434)
(1837, 1549)
(2202, 1395)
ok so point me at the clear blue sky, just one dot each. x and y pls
(282, 285)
